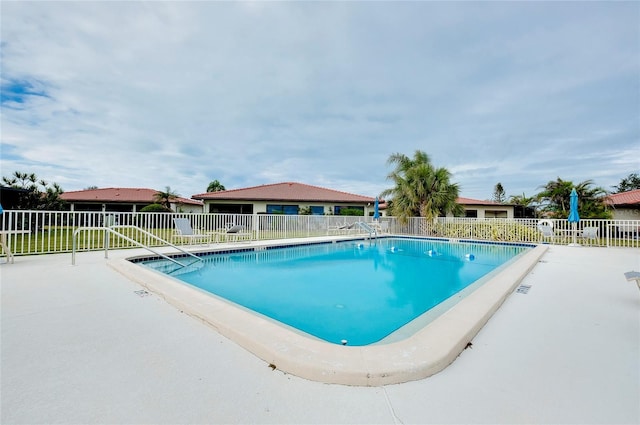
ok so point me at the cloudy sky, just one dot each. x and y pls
(150, 94)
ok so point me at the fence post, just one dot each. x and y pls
(256, 225)
(106, 242)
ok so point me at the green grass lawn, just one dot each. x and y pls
(60, 239)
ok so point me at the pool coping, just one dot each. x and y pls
(419, 356)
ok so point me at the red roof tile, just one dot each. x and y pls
(287, 191)
(118, 195)
(631, 197)
(469, 201)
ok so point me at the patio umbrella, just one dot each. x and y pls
(376, 210)
(574, 217)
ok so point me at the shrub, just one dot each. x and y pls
(155, 208)
(352, 212)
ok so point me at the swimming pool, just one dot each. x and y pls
(422, 348)
(355, 292)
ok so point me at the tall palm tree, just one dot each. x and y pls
(591, 200)
(165, 198)
(421, 190)
(555, 198)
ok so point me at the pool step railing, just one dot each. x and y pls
(110, 230)
(366, 227)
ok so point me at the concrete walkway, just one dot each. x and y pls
(79, 346)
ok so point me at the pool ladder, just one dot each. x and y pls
(110, 230)
(372, 232)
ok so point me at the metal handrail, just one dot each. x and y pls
(368, 228)
(133, 241)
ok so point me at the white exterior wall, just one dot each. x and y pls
(490, 211)
(495, 211)
(626, 214)
(187, 208)
(261, 206)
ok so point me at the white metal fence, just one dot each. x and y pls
(43, 232)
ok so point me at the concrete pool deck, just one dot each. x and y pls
(80, 346)
(418, 350)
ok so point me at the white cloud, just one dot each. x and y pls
(153, 94)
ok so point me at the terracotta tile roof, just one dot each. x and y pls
(463, 201)
(469, 201)
(119, 194)
(631, 197)
(287, 191)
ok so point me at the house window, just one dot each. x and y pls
(495, 214)
(352, 210)
(317, 210)
(471, 213)
(282, 209)
(231, 208)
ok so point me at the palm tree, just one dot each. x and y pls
(555, 199)
(21, 180)
(421, 190)
(591, 200)
(631, 182)
(522, 200)
(525, 206)
(50, 198)
(215, 186)
(39, 194)
(165, 198)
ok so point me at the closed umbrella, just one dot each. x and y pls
(574, 217)
(376, 210)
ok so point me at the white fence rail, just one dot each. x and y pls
(44, 232)
(589, 232)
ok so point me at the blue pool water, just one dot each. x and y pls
(355, 291)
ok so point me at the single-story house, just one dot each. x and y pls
(285, 198)
(292, 197)
(277, 198)
(475, 208)
(120, 199)
(625, 205)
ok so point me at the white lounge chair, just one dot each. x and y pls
(234, 233)
(631, 276)
(340, 229)
(546, 228)
(184, 231)
(589, 233)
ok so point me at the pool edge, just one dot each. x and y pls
(427, 352)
